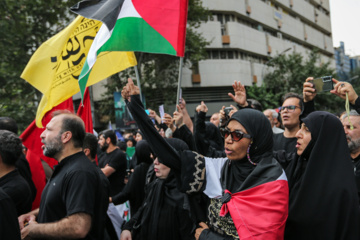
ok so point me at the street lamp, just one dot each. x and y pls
(276, 56)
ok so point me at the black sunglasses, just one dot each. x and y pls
(236, 135)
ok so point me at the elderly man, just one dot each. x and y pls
(72, 202)
(271, 114)
(352, 130)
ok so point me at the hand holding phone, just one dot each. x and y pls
(323, 84)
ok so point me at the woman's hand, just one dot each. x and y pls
(178, 117)
(125, 235)
(129, 90)
(240, 94)
(199, 230)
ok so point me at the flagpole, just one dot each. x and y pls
(138, 81)
(179, 82)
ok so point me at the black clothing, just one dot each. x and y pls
(194, 172)
(18, 190)
(356, 164)
(24, 169)
(323, 195)
(9, 224)
(206, 134)
(356, 106)
(117, 160)
(76, 186)
(186, 135)
(283, 143)
(165, 213)
(134, 190)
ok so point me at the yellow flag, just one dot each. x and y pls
(55, 67)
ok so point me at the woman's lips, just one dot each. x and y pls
(228, 151)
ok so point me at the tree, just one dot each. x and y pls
(288, 74)
(159, 72)
(24, 26)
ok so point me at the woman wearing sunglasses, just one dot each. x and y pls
(247, 188)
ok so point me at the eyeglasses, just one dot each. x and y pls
(236, 135)
(290, 108)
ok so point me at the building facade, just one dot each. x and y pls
(245, 34)
(343, 65)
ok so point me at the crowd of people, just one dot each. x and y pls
(286, 173)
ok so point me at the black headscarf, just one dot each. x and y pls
(142, 152)
(257, 125)
(323, 198)
(214, 136)
(162, 193)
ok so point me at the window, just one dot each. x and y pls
(223, 54)
(215, 54)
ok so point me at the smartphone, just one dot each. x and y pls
(323, 84)
(227, 110)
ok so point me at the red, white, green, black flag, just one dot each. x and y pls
(156, 26)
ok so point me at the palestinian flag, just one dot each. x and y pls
(156, 26)
(261, 209)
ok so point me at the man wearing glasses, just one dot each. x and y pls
(290, 111)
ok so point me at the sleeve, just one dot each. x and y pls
(118, 162)
(185, 134)
(207, 234)
(248, 106)
(201, 142)
(128, 192)
(309, 107)
(283, 157)
(168, 155)
(192, 177)
(356, 106)
(213, 174)
(79, 192)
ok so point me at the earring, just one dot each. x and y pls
(248, 155)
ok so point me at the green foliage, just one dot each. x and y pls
(24, 26)
(287, 73)
(355, 79)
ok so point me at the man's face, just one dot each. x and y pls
(102, 143)
(352, 136)
(268, 114)
(215, 119)
(51, 137)
(290, 118)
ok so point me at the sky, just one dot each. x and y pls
(345, 25)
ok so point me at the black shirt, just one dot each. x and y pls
(76, 186)
(18, 190)
(117, 160)
(283, 143)
(23, 166)
(356, 163)
(9, 225)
